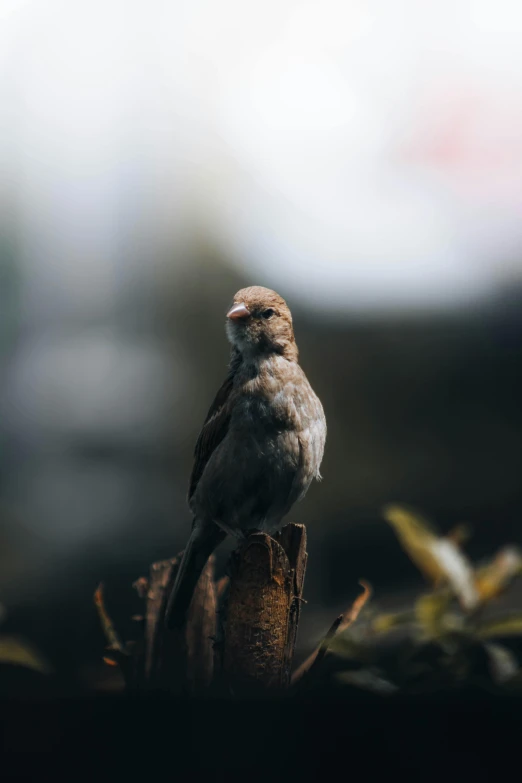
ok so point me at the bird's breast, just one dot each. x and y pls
(276, 399)
(272, 449)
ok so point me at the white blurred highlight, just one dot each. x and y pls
(357, 154)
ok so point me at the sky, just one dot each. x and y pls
(362, 156)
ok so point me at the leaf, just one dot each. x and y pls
(438, 558)
(430, 612)
(459, 572)
(459, 534)
(509, 625)
(365, 678)
(345, 646)
(417, 538)
(503, 664)
(342, 623)
(491, 580)
(387, 622)
(16, 652)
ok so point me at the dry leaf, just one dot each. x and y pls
(343, 622)
(112, 637)
(351, 615)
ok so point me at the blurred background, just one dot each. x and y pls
(361, 157)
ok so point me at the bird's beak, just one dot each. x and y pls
(238, 312)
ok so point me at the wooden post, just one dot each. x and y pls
(257, 639)
(176, 661)
(263, 611)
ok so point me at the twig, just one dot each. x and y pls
(339, 625)
(119, 655)
(353, 613)
(113, 640)
(141, 586)
(317, 656)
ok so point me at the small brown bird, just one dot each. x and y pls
(262, 441)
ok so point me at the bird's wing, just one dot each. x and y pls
(215, 426)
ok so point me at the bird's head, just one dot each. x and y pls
(259, 322)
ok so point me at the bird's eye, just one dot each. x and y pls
(267, 313)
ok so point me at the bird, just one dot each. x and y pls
(261, 444)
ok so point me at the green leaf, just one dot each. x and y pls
(459, 534)
(437, 557)
(430, 612)
(493, 578)
(345, 646)
(388, 621)
(509, 625)
(368, 680)
(416, 537)
(502, 663)
(18, 653)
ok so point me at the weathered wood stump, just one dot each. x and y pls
(263, 609)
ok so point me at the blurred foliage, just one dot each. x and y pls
(22, 667)
(16, 652)
(452, 636)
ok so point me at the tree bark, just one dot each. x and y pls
(177, 661)
(263, 611)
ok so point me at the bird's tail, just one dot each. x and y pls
(202, 542)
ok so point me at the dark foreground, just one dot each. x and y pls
(345, 735)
